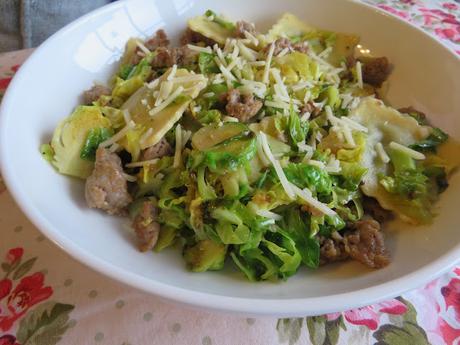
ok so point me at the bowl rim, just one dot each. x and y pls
(254, 306)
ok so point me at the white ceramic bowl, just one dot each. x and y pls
(48, 86)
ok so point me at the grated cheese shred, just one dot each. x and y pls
(305, 195)
(359, 74)
(142, 163)
(119, 135)
(167, 101)
(411, 153)
(381, 153)
(199, 49)
(279, 171)
(268, 62)
(178, 150)
(269, 214)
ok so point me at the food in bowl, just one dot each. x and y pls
(273, 150)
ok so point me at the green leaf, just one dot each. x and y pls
(289, 330)
(47, 152)
(409, 333)
(317, 329)
(125, 71)
(94, 138)
(24, 268)
(45, 324)
(207, 64)
(431, 143)
(297, 129)
(219, 20)
(308, 176)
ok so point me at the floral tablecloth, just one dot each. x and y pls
(47, 298)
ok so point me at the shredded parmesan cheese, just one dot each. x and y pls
(316, 163)
(325, 53)
(167, 101)
(188, 78)
(142, 163)
(268, 62)
(208, 94)
(411, 153)
(255, 87)
(220, 55)
(306, 196)
(353, 124)
(260, 152)
(143, 47)
(283, 52)
(199, 49)
(246, 52)
(119, 135)
(235, 52)
(279, 171)
(277, 104)
(381, 153)
(186, 135)
(301, 86)
(226, 73)
(165, 90)
(153, 84)
(251, 38)
(114, 148)
(230, 119)
(333, 165)
(130, 178)
(359, 74)
(143, 139)
(172, 73)
(178, 151)
(336, 236)
(269, 214)
(256, 63)
(305, 116)
(126, 116)
(348, 136)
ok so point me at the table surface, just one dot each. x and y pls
(46, 297)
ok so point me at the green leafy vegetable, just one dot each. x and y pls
(166, 238)
(125, 71)
(206, 191)
(297, 129)
(231, 154)
(309, 176)
(207, 64)
(219, 20)
(94, 138)
(411, 184)
(206, 255)
(300, 231)
(207, 117)
(431, 143)
(47, 152)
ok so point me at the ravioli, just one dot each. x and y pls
(385, 125)
(290, 26)
(143, 100)
(210, 29)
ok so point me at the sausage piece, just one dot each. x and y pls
(146, 227)
(106, 188)
(243, 107)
